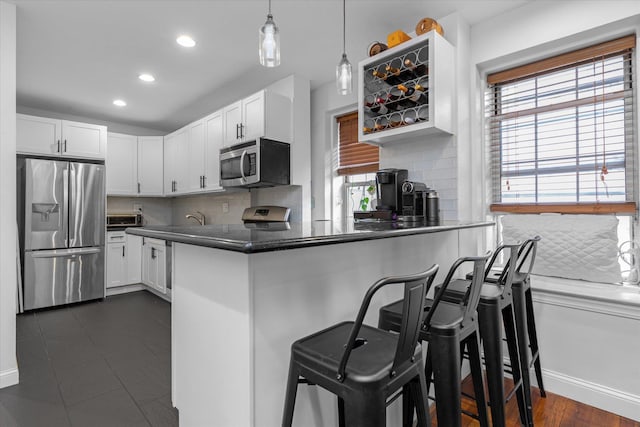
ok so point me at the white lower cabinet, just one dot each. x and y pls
(134, 259)
(116, 259)
(154, 264)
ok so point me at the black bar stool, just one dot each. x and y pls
(524, 316)
(497, 306)
(363, 365)
(448, 328)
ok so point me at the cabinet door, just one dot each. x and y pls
(196, 156)
(122, 164)
(214, 125)
(38, 135)
(84, 140)
(180, 160)
(160, 253)
(133, 253)
(150, 165)
(232, 122)
(116, 264)
(149, 269)
(253, 116)
(169, 163)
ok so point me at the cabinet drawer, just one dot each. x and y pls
(116, 236)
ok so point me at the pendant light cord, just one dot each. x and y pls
(344, 26)
(269, 7)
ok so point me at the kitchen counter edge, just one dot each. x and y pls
(250, 247)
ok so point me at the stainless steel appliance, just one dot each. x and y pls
(61, 215)
(414, 201)
(271, 218)
(259, 163)
(123, 220)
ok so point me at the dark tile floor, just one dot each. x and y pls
(105, 363)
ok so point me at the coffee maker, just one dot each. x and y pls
(389, 188)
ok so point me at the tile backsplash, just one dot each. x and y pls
(218, 208)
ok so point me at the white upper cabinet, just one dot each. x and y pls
(134, 165)
(176, 162)
(52, 137)
(150, 165)
(122, 164)
(263, 114)
(196, 160)
(214, 141)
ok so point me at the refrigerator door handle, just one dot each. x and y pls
(58, 253)
(65, 206)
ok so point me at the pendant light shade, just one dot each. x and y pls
(343, 76)
(269, 42)
(343, 70)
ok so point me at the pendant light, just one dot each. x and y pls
(269, 46)
(343, 70)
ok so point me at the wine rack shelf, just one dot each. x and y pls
(407, 91)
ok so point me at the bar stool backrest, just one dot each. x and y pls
(527, 254)
(472, 295)
(509, 270)
(415, 289)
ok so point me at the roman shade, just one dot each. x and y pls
(354, 157)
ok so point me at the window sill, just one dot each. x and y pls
(604, 298)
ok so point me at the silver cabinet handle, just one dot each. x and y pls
(58, 147)
(204, 183)
(138, 188)
(237, 130)
(153, 253)
(241, 130)
(65, 146)
(123, 251)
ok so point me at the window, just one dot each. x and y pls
(357, 163)
(561, 133)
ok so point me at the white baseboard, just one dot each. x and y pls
(125, 289)
(9, 377)
(599, 396)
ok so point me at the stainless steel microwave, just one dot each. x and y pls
(259, 163)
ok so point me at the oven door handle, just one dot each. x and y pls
(244, 154)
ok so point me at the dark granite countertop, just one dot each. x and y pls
(252, 238)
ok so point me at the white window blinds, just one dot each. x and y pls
(561, 132)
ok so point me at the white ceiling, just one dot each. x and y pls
(76, 57)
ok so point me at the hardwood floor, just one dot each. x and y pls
(552, 411)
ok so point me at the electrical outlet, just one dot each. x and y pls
(225, 207)
(137, 207)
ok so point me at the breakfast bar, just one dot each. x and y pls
(243, 293)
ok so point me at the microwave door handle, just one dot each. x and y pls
(244, 154)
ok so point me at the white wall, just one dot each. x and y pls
(8, 365)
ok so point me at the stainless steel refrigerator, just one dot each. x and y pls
(61, 222)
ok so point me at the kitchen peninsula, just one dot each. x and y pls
(243, 293)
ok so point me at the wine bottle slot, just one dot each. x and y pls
(417, 70)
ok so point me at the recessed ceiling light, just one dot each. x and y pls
(119, 103)
(146, 77)
(186, 41)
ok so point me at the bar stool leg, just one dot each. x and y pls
(512, 346)
(407, 406)
(341, 422)
(473, 346)
(491, 334)
(520, 314)
(290, 395)
(533, 341)
(419, 390)
(365, 412)
(445, 352)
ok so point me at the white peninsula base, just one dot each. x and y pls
(235, 316)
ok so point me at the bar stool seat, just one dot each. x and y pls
(365, 366)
